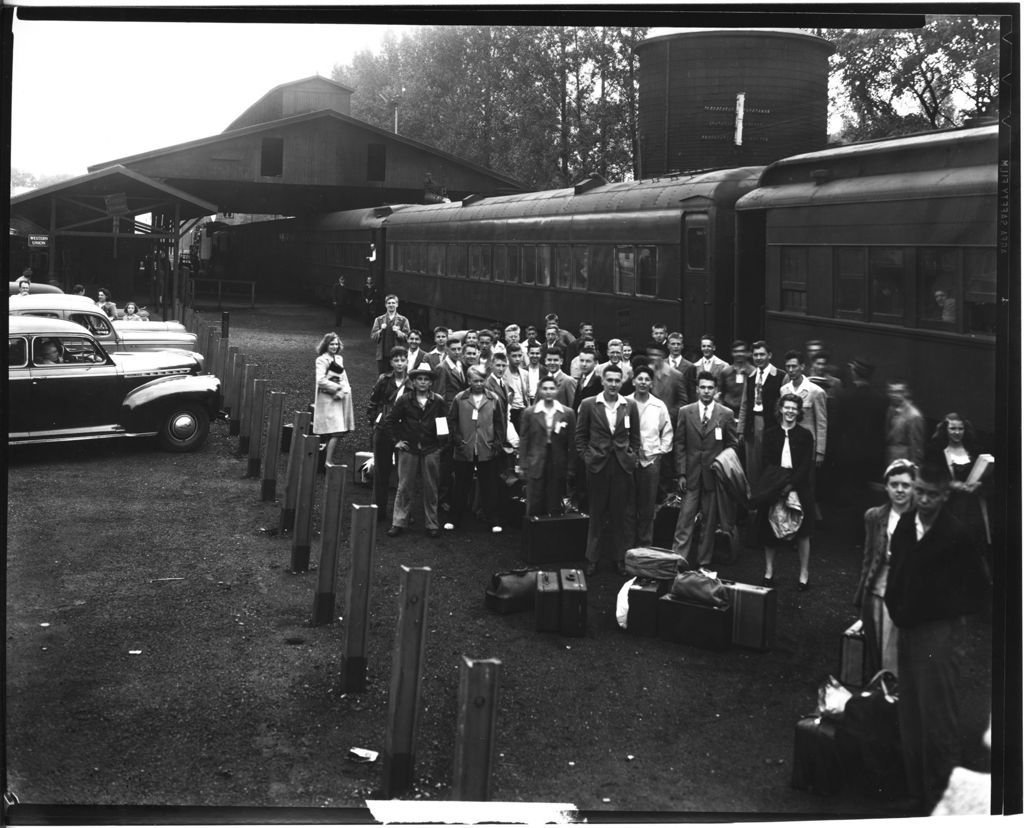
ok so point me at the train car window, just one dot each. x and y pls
(624, 275)
(17, 352)
(850, 264)
(272, 157)
(392, 257)
(885, 276)
(647, 271)
(581, 269)
(376, 162)
(600, 270)
(499, 263)
(529, 272)
(793, 279)
(563, 266)
(480, 262)
(515, 264)
(938, 287)
(697, 248)
(543, 265)
(435, 260)
(980, 290)
(457, 260)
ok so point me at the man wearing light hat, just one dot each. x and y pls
(418, 427)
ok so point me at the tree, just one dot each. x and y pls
(896, 81)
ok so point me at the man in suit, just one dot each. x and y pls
(670, 387)
(388, 388)
(451, 376)
(615, 357)
(566, 384)
(682, 364)
(416, 353)
(389, 329)
(757, 407)
(703, 430)
(904, 425)
(515, 378)
(435, 355)
(708, 362)
(608, 441)
(589, 383)
(546, 449)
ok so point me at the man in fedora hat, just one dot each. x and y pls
(418, 427)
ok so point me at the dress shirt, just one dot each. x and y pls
(655, 428)
(787, 455)
(705, 413)
(516, 383)
(533, 375)
(610, 408)
(759, 375)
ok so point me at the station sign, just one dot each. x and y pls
(38, 241)
(116, 203)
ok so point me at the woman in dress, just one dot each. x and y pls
(105, 303)
(791, 449)
(332, 409)
(131, 313)
(879, 523)
(955, 445)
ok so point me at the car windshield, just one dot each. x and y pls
(93, 321)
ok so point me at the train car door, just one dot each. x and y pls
(696, 283)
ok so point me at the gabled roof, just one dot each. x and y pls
(297, 119)
(282, 86)
(83, 199)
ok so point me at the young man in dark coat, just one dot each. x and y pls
(937, 577)
(546, 451)
(388, 387)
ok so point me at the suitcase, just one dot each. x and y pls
(753, 614)
(642, 597)
(511, 591)
(549, 539)
(707, 627)
(573, 612)
(665, 519)
(853, 656)
(816, 765)
(546, 603)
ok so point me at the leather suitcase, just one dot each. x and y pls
(511, 591)
(547, 615)
(703, 626)
(754, 609)
(550, 539)
(642, 597)
(816, 764)
(574, 602)
(664, 533)
(853, 656)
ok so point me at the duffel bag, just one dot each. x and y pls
(697, 588)
(651, 562)
(511, 591)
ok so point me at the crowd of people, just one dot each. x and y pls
(618, 431)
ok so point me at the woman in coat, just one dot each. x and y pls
(879, 523)
(955, 446)
(791, 449)
(332, 407)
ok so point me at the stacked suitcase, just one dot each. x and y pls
(560, 605)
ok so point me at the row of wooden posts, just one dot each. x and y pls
(251, 405)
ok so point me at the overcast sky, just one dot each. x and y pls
(88, 92)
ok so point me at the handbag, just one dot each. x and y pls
(695, 587)
(511, 591)
(786, 516)
(868, 739)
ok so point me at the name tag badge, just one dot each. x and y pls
(476, 413)
(718, 432)
(740, 378)
(441, 423)
(379, 416)
(625, 422)
(559, 426)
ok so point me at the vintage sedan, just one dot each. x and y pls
(62, 385)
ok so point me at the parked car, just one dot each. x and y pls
(114, 335)
(62, 385)
(35, 287)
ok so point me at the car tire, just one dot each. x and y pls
(185, 428)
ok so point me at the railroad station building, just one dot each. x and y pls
(296, 151)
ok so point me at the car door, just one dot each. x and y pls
(78, 395)
(19, 388)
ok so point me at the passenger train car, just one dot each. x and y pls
(884, 249)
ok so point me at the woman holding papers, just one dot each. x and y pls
(955, 445)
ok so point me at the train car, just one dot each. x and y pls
(620, 256)
(885, 249)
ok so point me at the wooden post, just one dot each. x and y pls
(259, 393)
(225, 323)
(474, 736)
(362, 538)
(231, 401)
(292, 473)
(268, 489)
(406, 673)
(307, 451)
(330, 539)
(237, 374)
(245, 406)
(220, 365)
(210, 351)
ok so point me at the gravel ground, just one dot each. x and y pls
(159, 652)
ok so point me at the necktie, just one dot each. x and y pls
(757, 389)
(704, 420)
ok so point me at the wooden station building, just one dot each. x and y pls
(297, 151)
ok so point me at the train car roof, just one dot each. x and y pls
(590, 196)
(954, 162)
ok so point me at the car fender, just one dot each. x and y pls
(144, 406)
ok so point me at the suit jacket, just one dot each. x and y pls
(904, 433)
(669, 386)
(596, 442)
(801, 448)
(876, 542)
(566, 388)
(696, 446)
(689, 372)
(499, 389)
(385, 337)
(769, 396)
(448, 382)
(588, 389)
(533, 440)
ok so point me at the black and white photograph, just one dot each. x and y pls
(550, 414)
